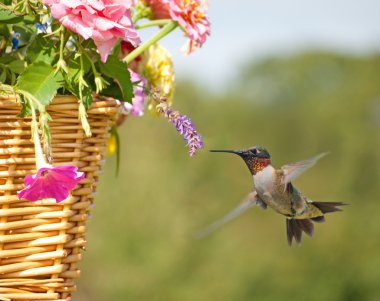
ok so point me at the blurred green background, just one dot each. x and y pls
(140, 244)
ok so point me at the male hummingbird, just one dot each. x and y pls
(273, 188)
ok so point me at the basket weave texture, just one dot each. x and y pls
(41, 242)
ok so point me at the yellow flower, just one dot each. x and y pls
(157, 68)
(111, 145)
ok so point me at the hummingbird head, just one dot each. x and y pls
(256, 157)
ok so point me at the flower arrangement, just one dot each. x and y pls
(82, 47)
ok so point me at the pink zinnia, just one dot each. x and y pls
(104, 21)
(190, 14)
(51, 182)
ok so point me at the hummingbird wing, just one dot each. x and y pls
(291, 171)
(250, 200)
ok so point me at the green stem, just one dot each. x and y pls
(161, 22)
(91, 63)
(81, 109)
(169, 27)
(6, 7)
(40, 160)
(62, 44)
(52, 33)
(30, 98)
(61, 62)
(82, 52)
(7, 89)
(81, 79)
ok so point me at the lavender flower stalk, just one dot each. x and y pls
(183, 125)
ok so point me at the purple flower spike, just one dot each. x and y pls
(183, 125)
(51, 182)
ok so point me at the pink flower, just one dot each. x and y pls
(51, 182)
(160, 9)
(136, 108)
(104, 21)
(190, 14)
(125, 48)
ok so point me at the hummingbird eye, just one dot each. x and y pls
(254, 151)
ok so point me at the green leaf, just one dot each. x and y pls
(112, 90)
(116, 48)
(6, 59)
(3, 75)
(40, 81)
(7, 17)
(40, 50)
(74, 68)
(25, 108)
(87, 97)
(17, 66)
(118, 71)
(72, 78)
(4, 31)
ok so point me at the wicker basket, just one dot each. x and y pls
(41, 242)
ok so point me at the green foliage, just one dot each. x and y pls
(40, 50)
(72, 78)
(16, 66)
(7, 17)
(117, 72)
(40, 81)
(10, 68)
(25, 108)
(85, 96)
(140, 245)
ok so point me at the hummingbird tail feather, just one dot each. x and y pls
(327, 207)
(318, 219)
(295, 227)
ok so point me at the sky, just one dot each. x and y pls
(244, 30)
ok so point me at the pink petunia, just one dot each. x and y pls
(190, 14)
(104, 21)
(51, 182)
(136, 108)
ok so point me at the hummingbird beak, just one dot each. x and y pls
(227, 151)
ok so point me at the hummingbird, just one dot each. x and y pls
(273, 188)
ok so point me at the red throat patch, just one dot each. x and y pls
(258, 164)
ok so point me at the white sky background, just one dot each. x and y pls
(243, 30)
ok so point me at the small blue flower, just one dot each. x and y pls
(41, 27)
(15, 40)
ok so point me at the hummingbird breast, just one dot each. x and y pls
(270, 189)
